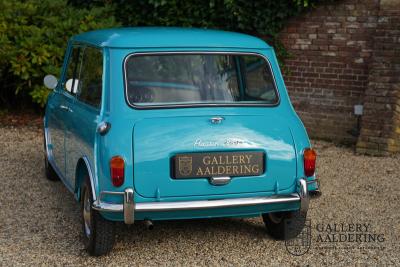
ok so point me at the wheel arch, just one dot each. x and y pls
(82, 169)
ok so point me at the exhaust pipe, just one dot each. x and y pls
(149, 224)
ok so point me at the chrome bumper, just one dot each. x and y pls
(129, 207)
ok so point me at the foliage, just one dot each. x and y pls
(262, 17)
(34, 33)
(33, 38)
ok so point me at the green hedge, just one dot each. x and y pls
(33, 33)
(33, 38)
(262, 17)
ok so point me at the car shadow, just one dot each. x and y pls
(194, 228)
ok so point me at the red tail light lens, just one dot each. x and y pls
(117, 167)
(310, 158)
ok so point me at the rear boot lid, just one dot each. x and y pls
(257, 145)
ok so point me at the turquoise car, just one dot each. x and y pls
(153, 123)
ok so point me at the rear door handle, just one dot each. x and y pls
(65, 108)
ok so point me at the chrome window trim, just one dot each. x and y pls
(168, 106)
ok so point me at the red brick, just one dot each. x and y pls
(343, 54)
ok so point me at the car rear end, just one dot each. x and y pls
(200, 134)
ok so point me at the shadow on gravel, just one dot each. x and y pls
(195, 227)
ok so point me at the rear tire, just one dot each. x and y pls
(48, 169)
(279, 223)
(99, 233)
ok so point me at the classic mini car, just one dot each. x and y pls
(149, 124)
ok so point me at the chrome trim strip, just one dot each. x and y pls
(166, 106)
(200, 204)
(86, 160)
(213, 204)
(49, 153)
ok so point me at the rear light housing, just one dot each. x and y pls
(310, 157)
(117, 169)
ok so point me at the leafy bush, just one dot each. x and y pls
(33, 38)
(264, 18)
(34, 33)
(261, 17)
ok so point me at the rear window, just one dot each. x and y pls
(190, 79)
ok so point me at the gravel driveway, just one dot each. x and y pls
(40, 222)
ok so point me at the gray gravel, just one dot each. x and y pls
(40, 222)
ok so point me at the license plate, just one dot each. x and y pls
(217, 164)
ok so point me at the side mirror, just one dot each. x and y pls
(50, 81)
(68, 86)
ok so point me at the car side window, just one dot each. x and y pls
(91, 77)
(71, 81)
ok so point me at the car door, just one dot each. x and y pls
(55, 132)
(60, 112)
(81, 130)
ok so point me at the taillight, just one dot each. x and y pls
(309, 161)
(117, 166)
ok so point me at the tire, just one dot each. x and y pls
(98, 233)
(48, 169)
(284, 225)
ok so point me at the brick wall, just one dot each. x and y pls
(333, 50)
(380, 132)
(330, 51)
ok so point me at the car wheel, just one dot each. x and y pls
(284, 225)
(99, 233)
(50, 172)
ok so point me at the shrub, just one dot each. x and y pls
(33, 38)
(261, 17)
(34, 33)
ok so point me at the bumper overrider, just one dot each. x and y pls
(129, 207)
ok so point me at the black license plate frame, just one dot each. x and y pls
(217, 164)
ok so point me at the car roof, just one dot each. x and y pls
(149, 37)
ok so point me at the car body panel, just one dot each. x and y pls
(80, 137)
(157, 140)
(172, 37)
(56, 128)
